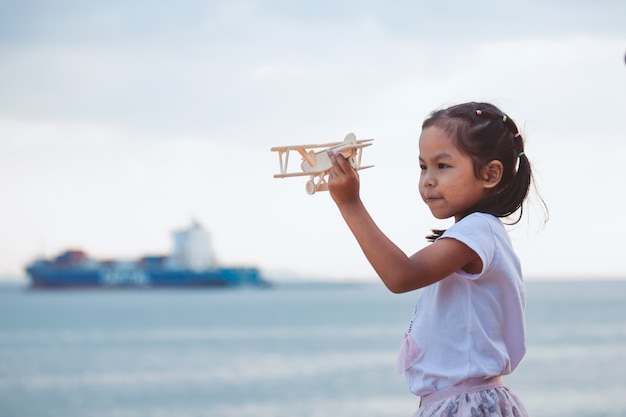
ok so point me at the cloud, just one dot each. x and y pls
(196, 65)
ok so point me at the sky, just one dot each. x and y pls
(121, 121)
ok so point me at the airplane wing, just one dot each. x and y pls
(296, 147)
(361, 145)
(347, 146)
(365, 167)
(312, 173)
(298, 174)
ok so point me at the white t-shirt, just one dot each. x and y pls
(470, 325)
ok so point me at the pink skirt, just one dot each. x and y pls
(475, 397)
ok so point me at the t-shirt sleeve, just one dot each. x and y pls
(476, 232)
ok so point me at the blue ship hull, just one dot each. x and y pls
(42, 276)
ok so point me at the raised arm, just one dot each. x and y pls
(399, 272)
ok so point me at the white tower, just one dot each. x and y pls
(192, 248)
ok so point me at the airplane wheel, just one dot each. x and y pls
(310, 187)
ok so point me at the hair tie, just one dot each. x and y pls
(517, 135)
(519, 155)
(478, 112)
(504, 118)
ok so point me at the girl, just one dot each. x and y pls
(468, 326)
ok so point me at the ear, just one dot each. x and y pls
(492, 174)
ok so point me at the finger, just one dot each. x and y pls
(339, 162)
(336, 169)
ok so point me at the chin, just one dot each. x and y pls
(441, 216)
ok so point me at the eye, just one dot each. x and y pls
(441, 165)
(422, 167)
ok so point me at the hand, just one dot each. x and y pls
(343, 180)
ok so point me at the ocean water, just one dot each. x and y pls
(291, 350)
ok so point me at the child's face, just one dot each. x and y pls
(448, 184)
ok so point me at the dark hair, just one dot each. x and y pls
(485, 133)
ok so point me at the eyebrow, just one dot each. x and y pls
(440, 155)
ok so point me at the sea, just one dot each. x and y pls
(305, 349)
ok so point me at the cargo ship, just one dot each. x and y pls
(191, 263)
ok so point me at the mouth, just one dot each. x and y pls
(430, 199)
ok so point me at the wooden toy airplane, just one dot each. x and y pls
(317, 165)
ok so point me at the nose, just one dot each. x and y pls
(427, 179)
